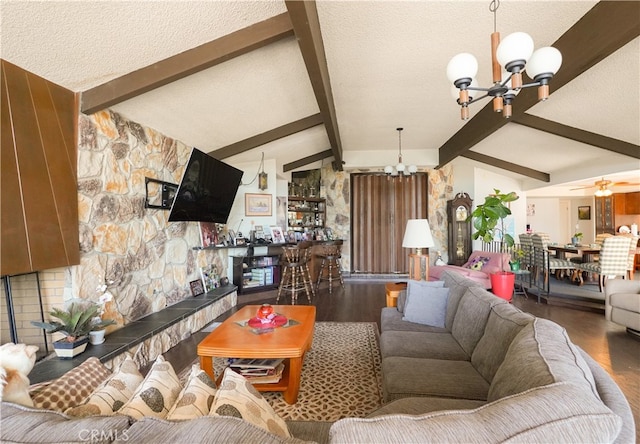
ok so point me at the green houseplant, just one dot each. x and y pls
(516, 256)
(74, 323)
(488, 221)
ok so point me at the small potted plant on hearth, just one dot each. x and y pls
(488, 221)
(74, 323)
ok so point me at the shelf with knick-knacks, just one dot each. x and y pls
(305, 212)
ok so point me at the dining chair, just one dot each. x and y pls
(631, 262)
(546, 264)
(614, 258)
(526, 243)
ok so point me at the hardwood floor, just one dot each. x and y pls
(361, 300)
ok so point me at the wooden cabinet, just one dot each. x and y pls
(458, 211)
(256, 273)
(632, 203)
(605, 214)
(306, 213)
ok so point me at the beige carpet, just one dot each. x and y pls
(341, 374)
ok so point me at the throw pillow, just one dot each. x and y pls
(196, 398)
(157, 393)
(417, 286)
(112, 394)
(427, 306)
(477, 263)
(73, 387)
(237, 397)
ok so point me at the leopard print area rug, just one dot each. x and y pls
(341, 375)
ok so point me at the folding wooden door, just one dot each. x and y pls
(380, 208)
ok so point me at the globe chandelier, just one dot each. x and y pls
(400, 169)
(513, 53)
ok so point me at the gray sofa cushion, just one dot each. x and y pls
(391, 320)
(19, 424)
(316, 431)
(471, 317)
(505, 322)
(560, 412)
(422, 405)
(413, 344)
(206, 429)
(458, 286)
(541, 354)
(406, 377)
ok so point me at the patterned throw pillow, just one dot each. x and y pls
(477, 263)
(157, 393)
(73, 387)
(196, 398)
(112, 394)
(237, 397)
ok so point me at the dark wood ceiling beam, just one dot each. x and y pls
(268, 136)
(607, 143)
(514, 168)
(604, 29)
(307, 160)
(186, 63)
(306, 25)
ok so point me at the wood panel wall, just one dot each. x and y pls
(38, 173)
(380, 208)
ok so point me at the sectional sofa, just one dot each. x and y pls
(488, 373)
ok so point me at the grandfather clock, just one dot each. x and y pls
(458, 211)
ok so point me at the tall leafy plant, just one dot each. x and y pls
(488, 219)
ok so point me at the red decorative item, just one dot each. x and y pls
(276, 321)
(266, 313)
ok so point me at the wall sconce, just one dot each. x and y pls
(262, 180)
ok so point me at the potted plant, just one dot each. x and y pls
(488, 221)
(576, 238)
(516, 256)
(75, 323)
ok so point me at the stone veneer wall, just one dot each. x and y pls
(147, 261)
(148, 350)
(336, 187)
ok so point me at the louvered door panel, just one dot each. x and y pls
(381, 206)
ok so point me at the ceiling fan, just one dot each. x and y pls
(603, 186)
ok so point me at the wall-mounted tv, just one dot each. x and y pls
(207, 190)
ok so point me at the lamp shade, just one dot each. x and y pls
(515, 46)
(417, 234)
(545, 60)
(463, 65)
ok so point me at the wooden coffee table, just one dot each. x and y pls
(231, 340)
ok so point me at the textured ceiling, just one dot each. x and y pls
(386, 62)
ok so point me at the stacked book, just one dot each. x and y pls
(259, 371)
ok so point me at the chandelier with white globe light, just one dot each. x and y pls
(513, 53)
(400, 169)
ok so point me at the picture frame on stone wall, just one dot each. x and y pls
(196, 287)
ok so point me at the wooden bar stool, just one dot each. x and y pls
(330, 268)
(295, 272)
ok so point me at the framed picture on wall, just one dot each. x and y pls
(257, 204)
(584, 213)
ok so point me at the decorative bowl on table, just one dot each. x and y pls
(266, 317)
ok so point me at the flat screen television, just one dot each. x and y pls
(207, 190)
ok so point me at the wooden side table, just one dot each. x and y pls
(393, 289)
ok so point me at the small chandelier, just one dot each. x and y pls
(400, 169)
(603, 190)
(514, 52)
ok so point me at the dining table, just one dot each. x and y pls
(586, 251)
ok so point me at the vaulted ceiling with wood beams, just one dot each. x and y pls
(308, 83)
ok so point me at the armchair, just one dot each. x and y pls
(622, 303)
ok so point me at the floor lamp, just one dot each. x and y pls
(417, 235)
